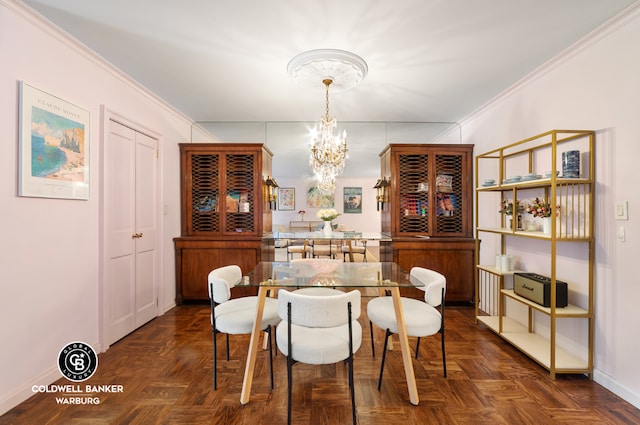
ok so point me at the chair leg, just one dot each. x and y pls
(271, 356)
(215, 360)
(384, 355)
(444, 360)
(352, 390)
(227, 346)
(289, 364)
(417, 347)
(373, 350)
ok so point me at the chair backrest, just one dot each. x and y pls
(318, 311)
(434, 284)
(221, 280)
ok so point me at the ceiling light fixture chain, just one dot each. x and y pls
(329, 153)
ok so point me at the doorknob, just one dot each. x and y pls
(136, 235)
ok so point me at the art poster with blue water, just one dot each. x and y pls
(57, 146)
(54, 148)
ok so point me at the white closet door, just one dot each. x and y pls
(146, 228)
(130, 216)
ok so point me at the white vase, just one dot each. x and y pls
(326, 230)
(546, 225)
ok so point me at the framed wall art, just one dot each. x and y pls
(352, 200)
(54, 146)
(286, 198)
(319, 199)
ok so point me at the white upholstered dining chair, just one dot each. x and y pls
(422, 318)
(319, 329)
(236, 316)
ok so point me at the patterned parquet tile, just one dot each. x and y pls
(165, 368)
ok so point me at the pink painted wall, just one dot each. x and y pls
(593, 85)
(50, 250)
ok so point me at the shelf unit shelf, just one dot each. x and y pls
(572, 203)
(568, 311)
(534, 346)
(532, 234)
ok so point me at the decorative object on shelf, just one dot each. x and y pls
(302, 213)
(571, 164)
(206, 204)
(344, 70)
(444, 183)
(540, 208)
(272, 185)
(504, 262)
(506, 207)
(382, 192)
(327, 215)
(446, 204)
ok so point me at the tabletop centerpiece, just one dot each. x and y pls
(327, 215)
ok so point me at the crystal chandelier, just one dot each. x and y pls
(342, 70)
(329, 153)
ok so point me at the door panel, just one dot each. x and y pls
(146, 226)
(131, 223)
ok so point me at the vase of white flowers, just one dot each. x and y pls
(327, 215)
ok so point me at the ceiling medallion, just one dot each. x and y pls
(345, 69)
(338, 69)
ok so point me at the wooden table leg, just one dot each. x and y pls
(350, 251)
(404, 346)
(253, 347)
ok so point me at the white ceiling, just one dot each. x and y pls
(226, 61)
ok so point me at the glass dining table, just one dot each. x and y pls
(385, 276)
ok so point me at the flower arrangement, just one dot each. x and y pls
(302, 213)
(540, 208)
(329, 214)
(506, 207)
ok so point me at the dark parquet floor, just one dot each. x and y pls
(165, 369)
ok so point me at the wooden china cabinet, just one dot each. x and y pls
(224, 211)
(427, 210)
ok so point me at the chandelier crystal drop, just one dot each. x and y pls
(328, 153)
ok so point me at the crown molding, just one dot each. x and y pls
(32, 16)
(620, 20)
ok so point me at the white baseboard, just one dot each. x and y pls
(25, 392)
(616, 388)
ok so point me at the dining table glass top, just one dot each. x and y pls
(329, 273)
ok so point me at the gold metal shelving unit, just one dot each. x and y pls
(572, 220)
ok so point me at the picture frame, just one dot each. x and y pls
(352, 200)
(319, 199)
(286, 198)
(54, 146)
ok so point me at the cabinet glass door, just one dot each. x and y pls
(449, 198)
(414, 194)
(204, 196)
(239, 193)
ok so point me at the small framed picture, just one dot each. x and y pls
(352, 200)
(286, 198)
